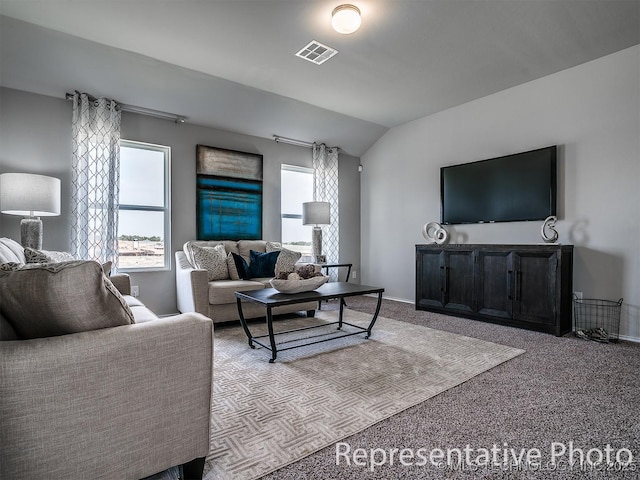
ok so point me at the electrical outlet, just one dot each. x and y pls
(578, 295)
(135, 291)
(354, 274)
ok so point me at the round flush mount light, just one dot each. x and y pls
(346, 19)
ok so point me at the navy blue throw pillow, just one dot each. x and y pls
(262, 264)
(241, 266)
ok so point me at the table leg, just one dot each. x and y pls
(272, 340)
(243, 322)
(340, 314)
(375, 316)
(342, 302)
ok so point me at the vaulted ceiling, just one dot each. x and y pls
(230, 63)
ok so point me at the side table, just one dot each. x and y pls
(326, 267)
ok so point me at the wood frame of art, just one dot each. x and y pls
(228, 194)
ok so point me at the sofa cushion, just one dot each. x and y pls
(211, 259)
(61, 298)
(262, 264)
(245, 247)
(223, 291)
(11, 251)
(46, 256)
(140, 312)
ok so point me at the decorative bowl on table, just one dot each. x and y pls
(298, 285)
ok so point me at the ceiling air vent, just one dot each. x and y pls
(316, 52)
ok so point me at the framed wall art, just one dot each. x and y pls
(229, 194)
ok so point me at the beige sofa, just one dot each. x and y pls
(122, 402)
(216, 299)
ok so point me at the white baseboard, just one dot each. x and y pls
(629, 339)
(395, 299)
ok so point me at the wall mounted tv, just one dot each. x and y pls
(513, 188)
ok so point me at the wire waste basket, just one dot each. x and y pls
(596, 319)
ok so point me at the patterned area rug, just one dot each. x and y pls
(266, 416)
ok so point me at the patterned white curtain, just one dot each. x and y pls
(95, 178)
(325, 189)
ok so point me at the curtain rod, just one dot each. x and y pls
(142, 110)
(293, 141)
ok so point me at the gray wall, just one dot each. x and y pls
(35, 136)
(591, 111)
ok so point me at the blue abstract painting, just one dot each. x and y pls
(229, 194)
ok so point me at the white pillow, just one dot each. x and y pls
(211, 259)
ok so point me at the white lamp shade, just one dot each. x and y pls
(316, 213)
(346, 19)
(28, 194)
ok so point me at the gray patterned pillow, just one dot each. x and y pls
(211, 259)
(9, 266)
(273, 246)
(46, 256)
(287, 258)
(61, 298)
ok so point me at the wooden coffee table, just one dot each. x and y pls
(270, 298)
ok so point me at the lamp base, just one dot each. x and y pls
(316, 242)
(31, 232)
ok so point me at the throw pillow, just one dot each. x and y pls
(61, 298)
(9, 266)
(241, 266)
(262, 264)
(231, 266)
(46, 256)
(106, 268)
(286, 260)
(211, 259)
(273, 246)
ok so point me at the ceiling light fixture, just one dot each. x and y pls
(346, 19)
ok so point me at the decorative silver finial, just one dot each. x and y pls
(548, 231)
(435, 232)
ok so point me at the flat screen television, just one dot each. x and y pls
(513, 188)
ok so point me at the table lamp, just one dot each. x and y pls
(316, 213)
(31, 196)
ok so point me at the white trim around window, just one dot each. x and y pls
(139, 200)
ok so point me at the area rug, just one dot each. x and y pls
(266, 416)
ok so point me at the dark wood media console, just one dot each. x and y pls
(526, 286)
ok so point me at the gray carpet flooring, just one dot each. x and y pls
(563, 392)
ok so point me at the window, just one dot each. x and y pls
(144, 215)
(296, 187)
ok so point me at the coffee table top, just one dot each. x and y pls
(270, 297)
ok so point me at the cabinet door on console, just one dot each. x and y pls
(458, 285)
(535, 275)
(429, 277)
(494, 277)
